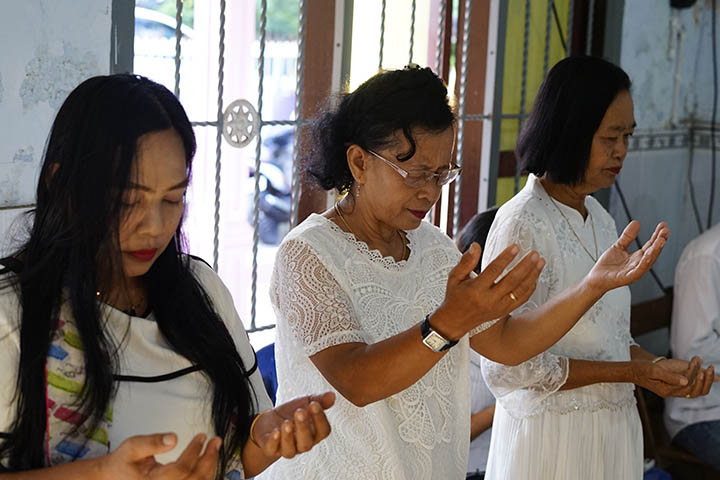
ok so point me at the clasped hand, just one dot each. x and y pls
(674, 377)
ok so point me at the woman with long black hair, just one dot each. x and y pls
(109, 333)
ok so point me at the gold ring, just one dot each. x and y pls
(513, 297)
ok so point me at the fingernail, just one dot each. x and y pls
(287, 427)
(168, 440)
(514, 249)
(218, 445)
(315, 407)
(275, 434)
(683, 381)
(300, 416)
(534, 257)
(202, 437)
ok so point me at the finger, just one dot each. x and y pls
(303, 431)
(272, 444)
(466, 265)
(709, 378)
(326, 400)
(207, 464)
(320, 421)
(189, 458)
(287, 440)
(495, 268)
(527, 286)
(519, 273)
(628, 235)
(660, 231)
(138, 447)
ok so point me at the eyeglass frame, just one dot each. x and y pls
(404, 173)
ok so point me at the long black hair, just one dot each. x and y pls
(569, 107)
(388, 102)
(73, 239)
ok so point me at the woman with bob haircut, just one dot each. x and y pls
(379, 306)
(109, 333)
(570, 412)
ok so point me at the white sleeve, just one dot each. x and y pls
(696, 310)
(9, 355)
(310, 301)
(225, 307)
(520, 389)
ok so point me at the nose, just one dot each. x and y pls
(151, 223)
(430, 191)
(621, 147)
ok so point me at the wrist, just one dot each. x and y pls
(591, 287)
(442, 323)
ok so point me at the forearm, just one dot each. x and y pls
(79, 469)
(520, 337)
(588, 372)
(254, 459)
(365, 373)
(481, 421)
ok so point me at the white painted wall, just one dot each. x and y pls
(667, 53)
(47, 47)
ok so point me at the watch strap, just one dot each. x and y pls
(426, 329)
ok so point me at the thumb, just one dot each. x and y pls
(671, 378)
(466, 265)
(142, 446)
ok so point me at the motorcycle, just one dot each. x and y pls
(274, 199)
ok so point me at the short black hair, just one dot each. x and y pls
(568, 110)
(407, 99)
(476, 230)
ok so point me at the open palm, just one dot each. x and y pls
(617, 267)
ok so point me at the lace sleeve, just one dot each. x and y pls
(310, 302)
(522, 388)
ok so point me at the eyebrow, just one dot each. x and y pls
(177, 186)
(620, 128)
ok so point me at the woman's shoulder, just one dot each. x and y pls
(598, 211)
(526, 209)
(430, 236)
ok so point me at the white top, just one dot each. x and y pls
(181, 405)
(480, 398)
(595, 429)
(695, 326)
(328, 289)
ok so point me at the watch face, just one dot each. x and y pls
(434, 341)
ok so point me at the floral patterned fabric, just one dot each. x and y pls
(328, 288)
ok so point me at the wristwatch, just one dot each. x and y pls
(432, 339)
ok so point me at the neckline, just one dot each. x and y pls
(573, 215)
(375, 255)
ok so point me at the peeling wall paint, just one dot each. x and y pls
(55, 46)
(50, 78)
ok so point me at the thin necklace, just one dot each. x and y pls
(342, 217)
(130, 311)
(592, 224)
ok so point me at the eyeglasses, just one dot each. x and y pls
(420, 178)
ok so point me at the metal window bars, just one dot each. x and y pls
(240, 123)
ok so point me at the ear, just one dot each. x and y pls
(358, 162)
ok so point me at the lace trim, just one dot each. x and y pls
(374, 255)
(584, 406)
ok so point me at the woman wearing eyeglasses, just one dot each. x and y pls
(378, 305)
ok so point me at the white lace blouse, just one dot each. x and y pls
(589, 432)
(328, 288)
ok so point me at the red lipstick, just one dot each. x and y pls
(419, 213)
(615, 170)
(144, 255)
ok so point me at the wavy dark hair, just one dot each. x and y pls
(568, 109)
(87, 167)
(390, 101)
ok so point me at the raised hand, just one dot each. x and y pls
(616, 267)
(472, 301)
(134, 459)
(293, 427)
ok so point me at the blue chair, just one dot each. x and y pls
(266, 364)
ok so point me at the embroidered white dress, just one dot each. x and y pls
(539, 432)
(328, 289)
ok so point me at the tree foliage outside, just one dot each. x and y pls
(168, 7)
(282, 19)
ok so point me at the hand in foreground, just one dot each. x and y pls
(293, 427)
(135, 459)
(616, 267)
(472, 301)
(675, 378)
